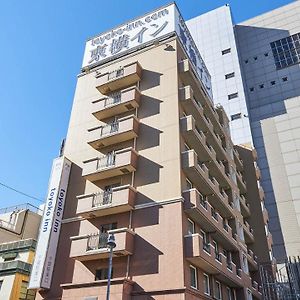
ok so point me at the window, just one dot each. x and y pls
(284, 79)
(193, 274)
(230, 294)
(232, 96)
(191, 227)
(235, 116)
(206, 284)
(218, 290)
(261, 86)
(245, 264)
(286, 51)
(26, 294)
(102, 274)
(217, 253)
(273, 82)
(229, 75)
(206, 244)
(255, 57)
(246, 61)
(249, 295)
(226, 51)
(251, 89)
(266, 54)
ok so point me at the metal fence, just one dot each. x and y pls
(285, 285)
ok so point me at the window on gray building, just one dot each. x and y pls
(261, 86)
(273, 82)
(235, 116)
(232, 96)
(266, 54)
(255, 57)
(246, 61)
(226, 51)
(229, 75)
(286, 51)
(284, 79)
(251, 89)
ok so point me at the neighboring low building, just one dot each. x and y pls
(19, 227)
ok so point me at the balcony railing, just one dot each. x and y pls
(206, 247)
(94, 246)
(119, 131)
(117, 200)
(119, 78)
(113, 164)
(116, 103)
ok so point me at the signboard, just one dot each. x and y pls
(43, 265)
(129, 36)
(193, 53)
(141, 32)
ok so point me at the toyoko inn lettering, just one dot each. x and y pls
(140, 32)
(129, 36)
(43, 265)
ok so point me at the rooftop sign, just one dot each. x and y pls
(139, 33)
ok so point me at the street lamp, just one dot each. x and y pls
(111, 244)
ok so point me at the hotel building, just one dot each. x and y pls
(154, 164)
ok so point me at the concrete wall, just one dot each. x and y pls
(282, 144)
(264, 99)
(213, 32)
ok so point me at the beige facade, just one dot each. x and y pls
(19, 228)
(154, 164)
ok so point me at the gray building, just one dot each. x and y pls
(264, 55)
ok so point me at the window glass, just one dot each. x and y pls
(285, 51)
(218, 291)
(206, 284)
(191, 227)
(193, 274)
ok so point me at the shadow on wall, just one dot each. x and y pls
(147, 172)
(266, 90)
(149, 106)
(148, 137)
(78, 187)
(150, 79)
(145, 259)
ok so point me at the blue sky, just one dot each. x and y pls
(41, 51)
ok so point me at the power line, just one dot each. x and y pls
(22, 193)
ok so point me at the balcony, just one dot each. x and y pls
(240, 182)
(113, 164)
(122, 130)
(269, 240)
(192, 106)
(257, 173)
(201, 211)
(206, 258)
(196, 138)
(245, 207)
(94, 246)
(261, 193)
(252, 260)
(118, 200)
(116, 103)
(198, 173)
(265, 215)
(237, 159)
(119, 79)
(249, 237)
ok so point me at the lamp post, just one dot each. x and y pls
(111, 244)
